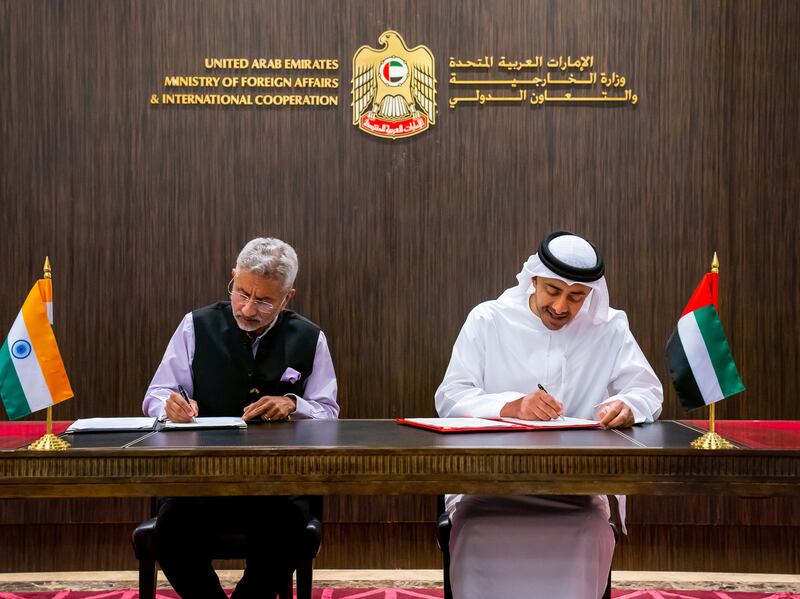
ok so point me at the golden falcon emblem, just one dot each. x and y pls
(394, 88)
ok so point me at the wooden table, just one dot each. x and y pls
(372, 457)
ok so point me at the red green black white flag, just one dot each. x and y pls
(393, 71)
(698, 355)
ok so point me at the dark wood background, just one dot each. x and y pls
(142, 211)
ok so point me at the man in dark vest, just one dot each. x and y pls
(250, 357)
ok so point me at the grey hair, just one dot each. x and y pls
(269, 257)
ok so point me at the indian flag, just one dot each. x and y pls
(698, 355)
(32, 375)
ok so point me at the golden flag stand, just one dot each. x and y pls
(49, 441)
(711, 440)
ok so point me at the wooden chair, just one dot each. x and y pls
(444, 526)
(229, 546)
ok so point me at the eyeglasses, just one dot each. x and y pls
(262, 306)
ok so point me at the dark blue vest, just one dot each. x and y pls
(226, 375)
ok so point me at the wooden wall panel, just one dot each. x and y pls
(695, 548)
(67, 547)
(130, 510)
(142, 210)
(665, 533)
(702, 548)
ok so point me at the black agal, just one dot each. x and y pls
(561, 268)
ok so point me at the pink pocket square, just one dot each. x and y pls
(290, 375)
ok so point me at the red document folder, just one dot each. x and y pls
(476, 425)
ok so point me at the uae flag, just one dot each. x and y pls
(393, 71)
(698, 355)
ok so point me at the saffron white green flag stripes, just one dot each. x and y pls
(32, 375)
(700, 360)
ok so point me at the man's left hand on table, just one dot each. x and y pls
(270, 408)
(616, 414)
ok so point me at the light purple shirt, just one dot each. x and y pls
(319, 397)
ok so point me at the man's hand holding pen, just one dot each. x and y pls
(539, 405)
(180, 408)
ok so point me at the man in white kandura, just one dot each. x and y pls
(554, 329)
(254, 358)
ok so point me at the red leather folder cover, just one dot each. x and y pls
(492, 425)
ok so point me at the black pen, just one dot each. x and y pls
(182, 391)
(545, 390)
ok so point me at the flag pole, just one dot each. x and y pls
(49, 441)
(711, 440)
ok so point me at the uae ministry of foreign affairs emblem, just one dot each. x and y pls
(394, 88)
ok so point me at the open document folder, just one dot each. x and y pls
(105, 425)
(471, 425)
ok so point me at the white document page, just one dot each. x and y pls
(558, 422)
(87, 425)
(206, 422)
(461, 422)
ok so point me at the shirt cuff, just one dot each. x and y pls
(491, 404)
(302, 408)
